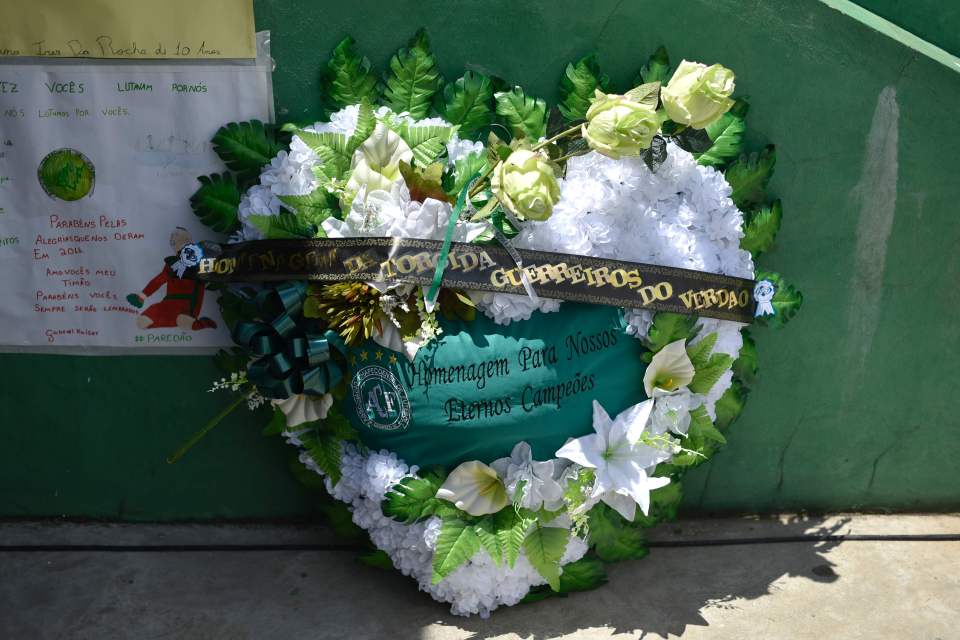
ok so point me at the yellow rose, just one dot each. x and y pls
(697, 94)
(618, 126)
(526, 185)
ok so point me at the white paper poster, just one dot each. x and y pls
(97, 165)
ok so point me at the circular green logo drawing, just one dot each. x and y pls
(66, 174)
(380, 399)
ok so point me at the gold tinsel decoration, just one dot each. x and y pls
(352, 309)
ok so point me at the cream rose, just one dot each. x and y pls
(697, 94)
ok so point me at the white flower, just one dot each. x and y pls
(257, 201)
(535, 479)
(376, 164)
(622, 464)
(669, 369)
(671, 411)
(301, 408)
(505, 308)
(475, 488)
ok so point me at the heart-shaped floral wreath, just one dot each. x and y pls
(655, 175)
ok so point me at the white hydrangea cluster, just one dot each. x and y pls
(477, 587)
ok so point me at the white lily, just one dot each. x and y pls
(301, 408)
(475, 488)
(622, 464)
(669, 369)
(535, 479)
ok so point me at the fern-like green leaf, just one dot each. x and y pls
(657, 68)
(749, 175)
(666, 328)
(544, 547)
(413, 78)
(426, 142)
(578, 85)
(511, 530)
(726, 133)
(525, 116)
(312, 209)
(468, 102)
(325, 451)
(216, 202)
(746, 366)
(348, 78)
(246, 147)
(366, 123)
(463, 169)
(487, 534)
(730, 405)
(708, 366)
(761, 228)
(456, 544)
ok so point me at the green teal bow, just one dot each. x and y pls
(292, 355)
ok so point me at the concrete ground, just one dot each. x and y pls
(741, 578)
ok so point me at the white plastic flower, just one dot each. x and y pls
(669, 369)
(259, 200)
(671, 411)
(300, 408)
(376, 164)
(475, 488)
(623, 465)
(535, 479)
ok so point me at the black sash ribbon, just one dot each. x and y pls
(486, 268)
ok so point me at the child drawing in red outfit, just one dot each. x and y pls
(181, 304)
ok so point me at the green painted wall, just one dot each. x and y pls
(855, 406)
(936, 21)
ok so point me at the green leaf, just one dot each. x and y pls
(366, 123)
(285, 226)
(645, 94)
(468, 102)
(746, 366)
(463, 169)
(337, 426)
(246, 146)
(236, 305)
(730, 405)
(544, 547)
(340, 520)
(426, 142)
(669, 327)
(278, 422)
(311, 209)
(726, 133)
(377, 559)
(525, 116)
(699, 353)
(326, 451)
(456, 544)
(216, 202)
(413, 78)
(304, 475)
(749, 175)
(511, 527)
(710, 370)
(761, 228)
(577, 86)
(413, 499)
(583, 575)
(786, 300)
(657, 68)
(348, 78)
(487, 533)
(612, 537)
(701, 426)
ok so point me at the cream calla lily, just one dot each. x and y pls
(376, 164)
(670, 369)
(299, 409)
(475, 488)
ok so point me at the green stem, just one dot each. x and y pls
(562, 134)
(582, 152)
(478, 185)
(198, 436)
